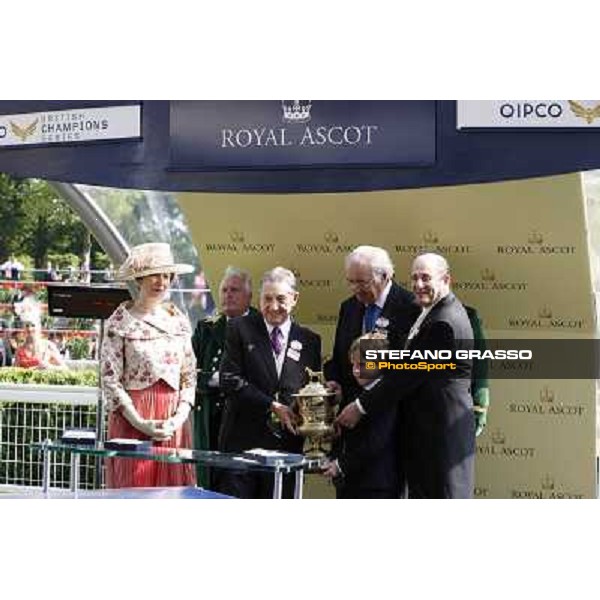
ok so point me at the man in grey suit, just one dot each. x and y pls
(438, 448)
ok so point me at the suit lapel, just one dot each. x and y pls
(263, 344)
(287, 361)
(355, 324)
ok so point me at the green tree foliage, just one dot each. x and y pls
(36, 222)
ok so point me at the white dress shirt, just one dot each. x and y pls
(285, 334)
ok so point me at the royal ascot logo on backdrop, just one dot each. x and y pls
(498, 448)
(298, 113)
(306, 283)
(330, 245)
(238, 243)
(535, 246)
(481, 492)
(547, 404)
(547, 489)
(545, 319)
(431, 242)
(489, 282)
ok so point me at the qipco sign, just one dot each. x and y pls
(527, 110)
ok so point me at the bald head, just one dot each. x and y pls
(430, 276)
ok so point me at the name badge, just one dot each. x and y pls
(293, 354)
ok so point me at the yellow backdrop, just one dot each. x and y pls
(519, 254)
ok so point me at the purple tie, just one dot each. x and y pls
(276, 336)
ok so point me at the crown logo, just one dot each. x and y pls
(296, 111)
(545, 312)
(546, 394)
(535, 237)
(547, 482)
(331, 237)
(488, 275)
(236, 236)
(24, 132)
(498, 437)
(587, 114)
(429, 237)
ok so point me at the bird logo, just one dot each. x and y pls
(24, 132)
(589, 114)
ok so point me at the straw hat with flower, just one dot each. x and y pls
(150, 259)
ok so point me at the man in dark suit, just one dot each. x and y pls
(438, 446)
(263, 364)
(378, 303)
(235, 295)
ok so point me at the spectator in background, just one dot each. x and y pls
(6, 353)
(12, 268)
(51, 274)
(36, 352)
(26, 306)
(109, 273)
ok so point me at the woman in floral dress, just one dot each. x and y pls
(149, 371)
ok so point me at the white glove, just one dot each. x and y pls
(145, 426)
(214, 380)
(174, 423)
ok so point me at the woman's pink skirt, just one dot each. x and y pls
(159, 401)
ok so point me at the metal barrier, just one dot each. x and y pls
(24, 421)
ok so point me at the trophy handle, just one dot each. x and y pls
(315, 376)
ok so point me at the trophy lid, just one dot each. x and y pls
(314, 387)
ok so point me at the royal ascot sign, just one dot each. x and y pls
(71, 126)
(584, 114)
(301, 133)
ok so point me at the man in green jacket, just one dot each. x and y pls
(235, 294)
(480, 388)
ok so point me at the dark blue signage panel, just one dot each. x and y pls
(207, 135)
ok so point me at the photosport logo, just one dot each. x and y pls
(536, 244)
(431, 241)
(239, 243)
(296, 113)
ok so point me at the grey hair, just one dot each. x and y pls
(279, 275)
(377, 258)
(241, 274)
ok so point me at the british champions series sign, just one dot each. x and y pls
(209, 135)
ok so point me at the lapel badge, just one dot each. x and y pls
(296, 345)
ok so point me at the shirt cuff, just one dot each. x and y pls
(360, 407)
(188, 395)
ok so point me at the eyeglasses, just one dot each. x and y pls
(360, 283)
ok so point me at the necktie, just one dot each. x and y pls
(371, 315)
(276, 344)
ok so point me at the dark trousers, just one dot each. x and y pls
(347, 493)
(250, 484)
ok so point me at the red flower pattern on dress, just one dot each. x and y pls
(137, 353)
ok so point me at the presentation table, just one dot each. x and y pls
(279, 467)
